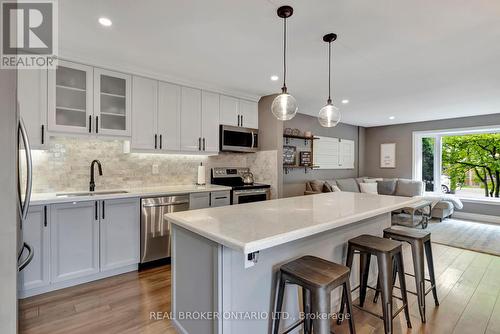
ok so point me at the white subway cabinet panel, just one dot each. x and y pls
(210, 105)
(70, 95)
(119, 233)
(74, 234)
(249, 112)
(36, 233)
(32, 97)
(112, 103)
(169, 117)
(191, 120)
(229, 111)
(144, 113)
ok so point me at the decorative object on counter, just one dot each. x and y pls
(201, 175)
(305, 158)
(284, 106)
(329, 115)
(388, 155)
(289, 155)
(287, 131)
(308, 134)
(247, 177)
(296, 132)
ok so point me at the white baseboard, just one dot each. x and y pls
(69, 283)
(476, 217)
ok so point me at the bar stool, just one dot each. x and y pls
(420, 242)
(388, 253)
(318, 278)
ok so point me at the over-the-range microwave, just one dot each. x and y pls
(238, 139)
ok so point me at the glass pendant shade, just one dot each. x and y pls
(284, 107)
(329, 116)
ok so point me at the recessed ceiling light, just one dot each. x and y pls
(392, 117)
(105, 21)
(345, 101)
(274, 77)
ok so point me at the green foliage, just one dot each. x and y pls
(428, 162)
(479, 153)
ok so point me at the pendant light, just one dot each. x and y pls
(284, 106)
(329, 115)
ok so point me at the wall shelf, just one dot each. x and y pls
(308, 141)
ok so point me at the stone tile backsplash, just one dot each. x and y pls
(65, 166)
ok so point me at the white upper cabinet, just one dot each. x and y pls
(32, 97)
(169, 117)
(119, 233)
(249, 114)
(229, 113)
(238, 112)
(210, 105)
(70, 92)
(144, 113)
(112, 103)
(191, 140)
(36, 233)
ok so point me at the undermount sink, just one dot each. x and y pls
(92, 193)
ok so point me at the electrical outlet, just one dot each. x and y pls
(155, 169)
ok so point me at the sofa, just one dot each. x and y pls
(441, 209)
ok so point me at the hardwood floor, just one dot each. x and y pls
(468, 289)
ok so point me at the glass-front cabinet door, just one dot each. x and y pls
(70, 91)
(112, 102)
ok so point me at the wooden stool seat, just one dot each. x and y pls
(373, 245)
(316, 272)
(407, 233)
(318, 278)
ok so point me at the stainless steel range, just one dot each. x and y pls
(241, 192)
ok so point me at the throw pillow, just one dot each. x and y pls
(386, 187)
(316, 186)
(336, 189)
(348, 185)
(368, 188)
(327, 188)
(372, 180)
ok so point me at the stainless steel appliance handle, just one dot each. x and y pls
(253, 139)
(24, 207)
(250, 192)
(31, 253)
(166, 204)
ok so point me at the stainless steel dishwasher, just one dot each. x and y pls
(155, 230)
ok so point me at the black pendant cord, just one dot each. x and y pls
(284, 89)
(329, 72)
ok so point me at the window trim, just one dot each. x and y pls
(417, 137)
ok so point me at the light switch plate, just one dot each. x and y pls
(155, 169)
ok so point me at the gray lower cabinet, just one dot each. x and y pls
(36, 233)
(199, 201)
(119, 233)
(220, 198)
(74, 240)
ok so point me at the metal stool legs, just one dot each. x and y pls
(430, 265)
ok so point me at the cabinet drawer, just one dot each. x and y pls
(220, 198)
(199, 201)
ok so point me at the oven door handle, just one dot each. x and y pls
(250, 192)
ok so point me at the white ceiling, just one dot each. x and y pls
(415, 60)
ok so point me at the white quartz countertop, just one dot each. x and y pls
(50, 198)
(256, 226)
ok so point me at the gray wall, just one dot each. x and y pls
(401, 134)
(294, 182)
(8, 205)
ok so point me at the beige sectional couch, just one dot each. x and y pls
(394, 187)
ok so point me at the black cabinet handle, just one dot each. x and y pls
(199, 144)
(96, 213)
(43, 134)
(238, 120)
(161, 142)
(45, 216)
(241, 120)
(204, 144)
(90, 124)
(156, 142)
(103, 209)
(97, 124)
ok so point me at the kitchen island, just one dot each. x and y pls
(224, 260)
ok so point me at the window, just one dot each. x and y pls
(465, 162)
